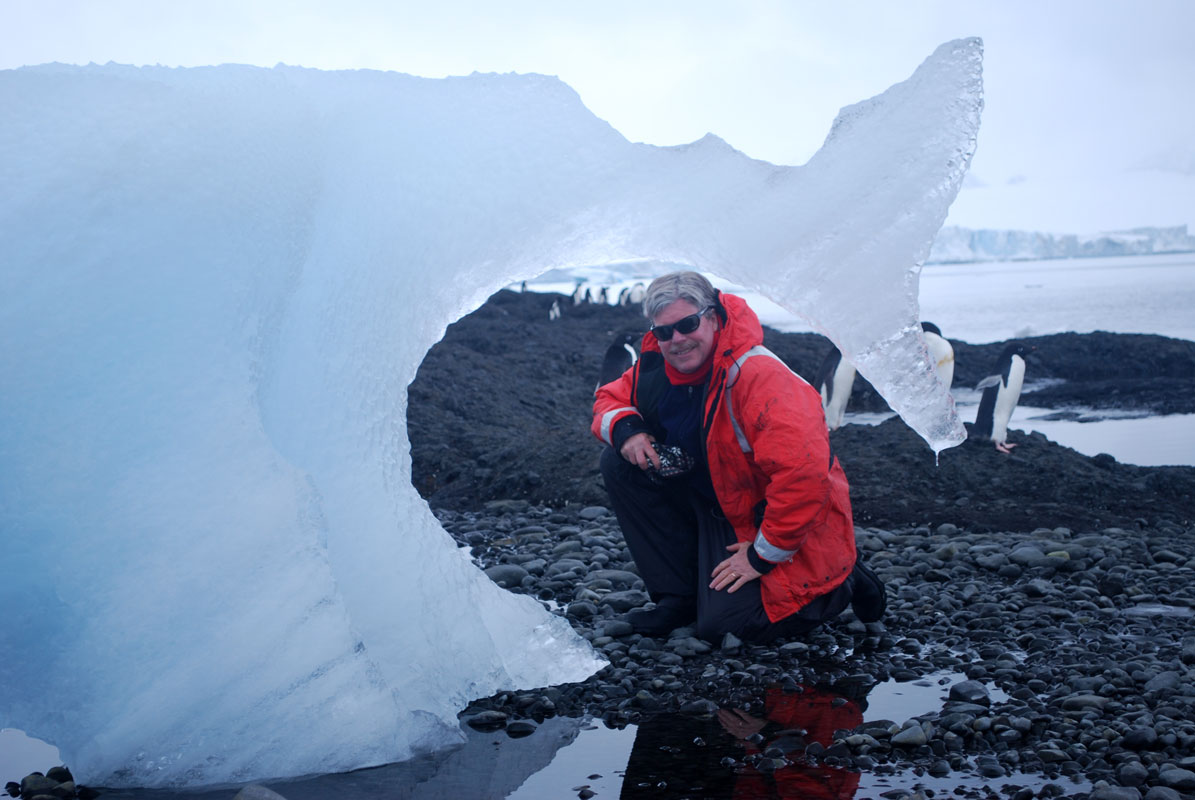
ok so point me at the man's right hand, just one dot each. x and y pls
(639, 451)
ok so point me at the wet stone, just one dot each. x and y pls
(487, 720)
(508, 575)
(1182, 780)
(1080, 702)
(581, 610)
(970, 692)
(1140, 739)
(699, 708)
(1162, 793)
(1132, 773)
(1166, 681)
(623, 579)
(1116, 793)
(617, 628)
(36, 783)
(520, 728)
(257, 792)
(912, 736)
(626, 600)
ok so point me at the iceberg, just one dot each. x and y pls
(955, 245)
(217, 284)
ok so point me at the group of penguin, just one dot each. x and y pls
(587, 293)
(627, 296)
(1001, 389)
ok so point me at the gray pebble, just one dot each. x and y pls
(35, 783)
(1080, 702)
(617, 628)
(699, 708)
(1140, 739)
(625, 600)
(508, 575)
(487, 720)
(1162, 793)
(256, 792)
(1166, 681)
(912, 736)
(1116, 793)
(1132, 773)
(1027, 555)
(970, 692)
(520, 728)
(1182, 780)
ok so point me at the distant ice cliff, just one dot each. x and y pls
(957, 245)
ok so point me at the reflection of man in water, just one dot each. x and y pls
(678, 756)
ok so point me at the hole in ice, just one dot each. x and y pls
(21, 754)
(498, 410)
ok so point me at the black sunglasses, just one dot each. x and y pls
(685, 325)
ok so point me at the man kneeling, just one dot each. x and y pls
(720, 472)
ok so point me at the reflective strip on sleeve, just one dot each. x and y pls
(734, 423)
(608, 422)
(769, 551)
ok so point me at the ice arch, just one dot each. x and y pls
(217, 284)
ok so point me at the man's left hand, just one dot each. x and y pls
(736, 571)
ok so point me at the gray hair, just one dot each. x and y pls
(685, 285)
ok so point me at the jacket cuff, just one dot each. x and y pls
(625, 428)
(758, 563)
(769, 551)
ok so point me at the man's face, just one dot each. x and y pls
(686, 351)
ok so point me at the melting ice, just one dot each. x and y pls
(217, 284)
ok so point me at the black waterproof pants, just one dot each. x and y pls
(677, 538)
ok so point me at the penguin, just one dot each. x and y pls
(1001, 391)
(554, 311)
(603, 297)
(637, 293)
(835, 378)
(624, 295)
(940, 352)
(580, 293)
(620, 356)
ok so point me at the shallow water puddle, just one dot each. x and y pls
(679, 757)
(899, 701)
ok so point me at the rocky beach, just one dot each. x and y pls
(1056, 587)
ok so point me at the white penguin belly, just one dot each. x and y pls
(843, 380)
(1006, 400)
(942, 354)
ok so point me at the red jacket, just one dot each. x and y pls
(766, 440)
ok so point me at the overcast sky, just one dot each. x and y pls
(1090, 106)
